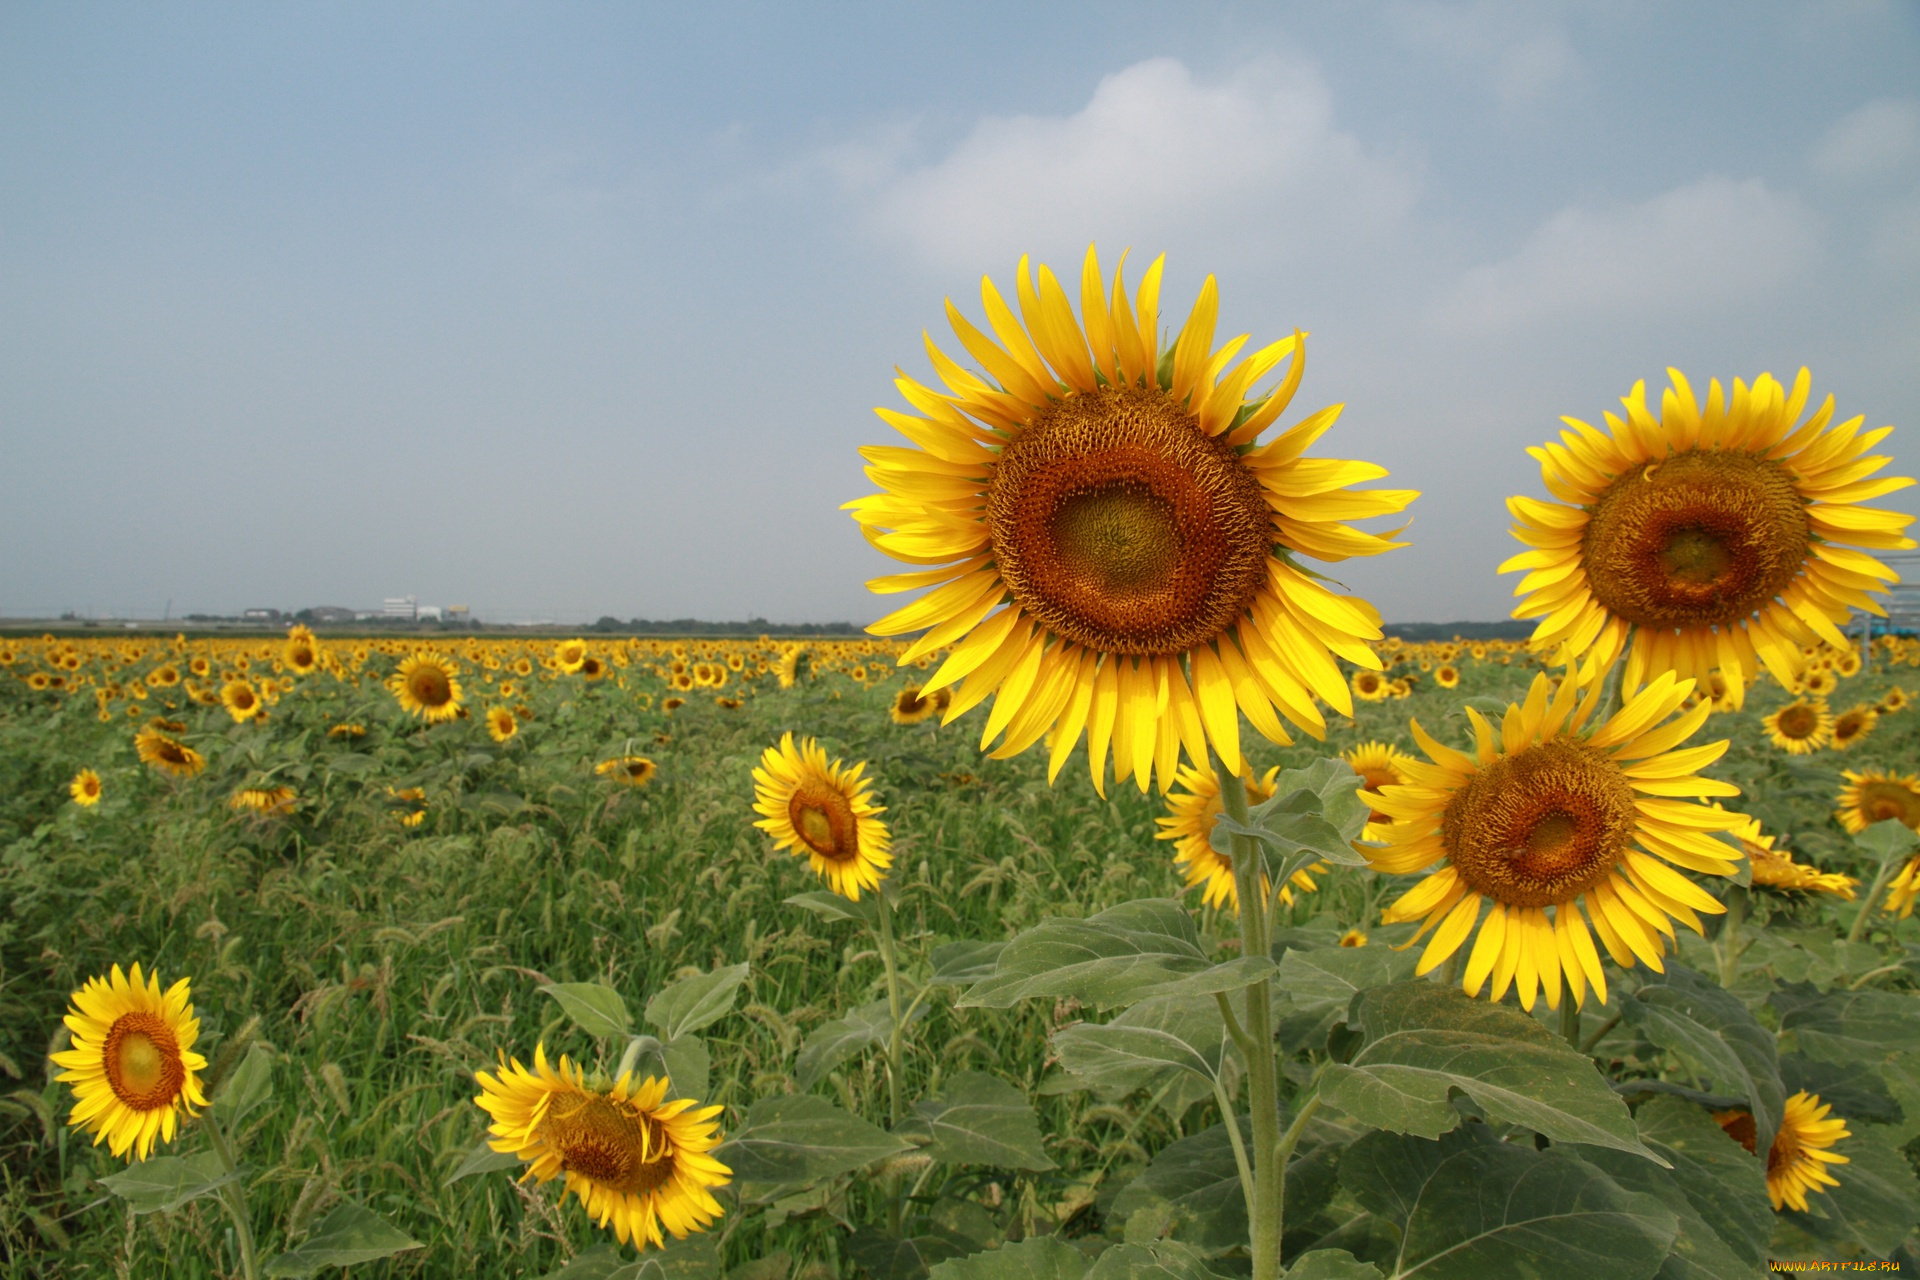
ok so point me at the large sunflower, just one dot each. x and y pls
(1797, 1162)
(1115, 549)
(426, 687)
(1189, 823)
(1714, 534)
(633, 1158)
(1800, 727)
(824, 812)
(1874, 795)
(1554, 815)
(132, 1066)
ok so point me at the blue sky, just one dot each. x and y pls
(576, 310)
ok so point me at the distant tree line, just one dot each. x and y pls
(697, 627)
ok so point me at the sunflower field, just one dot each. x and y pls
(1130, 906)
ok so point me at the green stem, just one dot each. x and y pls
(234, 1199)
(1888, 870)
(1587, 1046)
(1283, 1153)
(630, 1059)
(1263, 1096)
(1232, 1122)
(1729, 947)
(1570, 1020)
(896, 1208)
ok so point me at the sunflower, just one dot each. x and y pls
(1371, 686)
(1776, 870)
(1713, 535)
(1378, 765)
(164, 677)
(569, 656)
(301, 653)
(824, 812)
(132, 1065)
(500, 723)
(910, 708)
(1800, 726)
(1894, 699)
(156, 746)
(1353, 938)
(1853, 724)
(266, 801)
(347, 731)
(1189, 823)
(1819, 682)
(241, 701)
(1552, 814)
(1447, 677)
(631, 1157)
(1848, 664)
(787, 670)
(409, 805)
(85, 788)
(671, 705)
(1797, 1162)
(1873, 795)
(628, 771)
(1117, 503)
(426, 687)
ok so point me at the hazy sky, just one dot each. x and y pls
(570, 310)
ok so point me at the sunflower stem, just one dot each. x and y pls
(1263, 1097)
(630, 1058)
(234, 1199)
(1728, 944)
(896, 1208)
(1569, 1020)
(1888, 870)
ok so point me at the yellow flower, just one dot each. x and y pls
(347, 731)
(156, 746)
(1447, 677)
(1819, 682)
(1894, 699)
(1353, 938)
(1853, 724)
(1115, 549)
(302, 652)
(409, 805)
(85, 788)
(266, 801)
(241, 702)
(426, 687)
(1801, 726)
(630, 771)
(1718, 531)
(824, 812)
(132, 1065)
(1775, 868)
(631, 1157)
(1371, 686)
(500, 723)
(1874, 795)
(1797, 1162)
(1189, 823)
(1549, 815)
(569, 656)
(910, 708)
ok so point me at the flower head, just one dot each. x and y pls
(823, 812)
(132, 1067)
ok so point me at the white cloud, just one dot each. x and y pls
(1254, 160)
(1707, 244)
(1506, 46)
(1881, 137)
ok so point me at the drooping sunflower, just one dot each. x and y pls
(158, 747)
(1379, 765)
(1853, 724)
(241, 701)
(132, 1067)
(1721, 536)
(628, 771)
(1797, 1162)
(301, 654)
(910, 708)
(267, 802)
(426, 686)
(1801, 726)
(85, 788)
(1775, 870)
(1115, 549)
(633, 1158)
(408, 805)
(569, 656)
(1189, 823)
(347, 731)
(1554, 814)
(500, 723)
(1874, 795)
(824, 812)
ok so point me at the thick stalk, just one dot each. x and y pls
(896, 1203)
(630, 1059)
(1263, 1097)
(1284, 1153)
(234, 1199)
(1729, 946)
(1570, 1020)
(1888, 870)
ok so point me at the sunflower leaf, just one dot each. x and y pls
(1334, 975)
(1723, 1185)
(1876, 1203)
(1888, 840)
(834, 907)
(164, 1183)
(1331, 1264)
(803, 1138)
(980, 1119)
(1036, 1258)
(695, 1258)
(1847, 1026)
(1121, 956)
(1159, 1260)
(596, 1009)
(1683, 1012)
(963, 963)
(482, 1159)
(693, 1004)
(1198, 1180)
(832, 1043)
(248, 1086)
(1143, 1046)
(347, 1235)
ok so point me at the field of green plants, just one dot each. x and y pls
(351, 972)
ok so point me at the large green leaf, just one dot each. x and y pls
(1424, 1041)
(885, 1257)
(695, 1003)
(961, 964)
(832, 1043)
(349, 1234)
(1888, 839)
(1334, 975)
(1723, 1184)
(1140, 1048)
(834, 907)
(597, 1262)
(695, 1258)
(1314, 813)
(1856, 1090)
(1161, 1260)
(1848, 1026)
(1041, 1258)
(684, 1063)
(1198, 1179)
(1121, 956)
(980, 1119)
(801, 1138)
(248, 1086)
(1699, 1020)
(596, 1009)
(482, 1159)
(1331, 1264)
(1876, 1204)
(162, 1184)
(1387, 1172)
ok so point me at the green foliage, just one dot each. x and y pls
(348, 1235)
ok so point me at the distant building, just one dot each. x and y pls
(332, 613)
(426, 613)
(261, 615)
(400, 607)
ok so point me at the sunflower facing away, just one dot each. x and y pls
(159, 748)
(267, 802)
(132, 1066)
(1546, 815)
(1379, 765)
(1113, 550)
(1189, 823)
(1800, 727)
(824, 812)
(1797, 1162)
(634, 1159)
(1776, 870)
(1716, 534)
(85, 788)
(426, 687)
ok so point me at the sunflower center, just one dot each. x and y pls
(1882, 800)
(1117, 523)
(1542, 826)
(824, 820)
(143, 1063)
(242, 699)
(1798, 721)
(430, 687)
(622, 1151)
(1698, 540)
